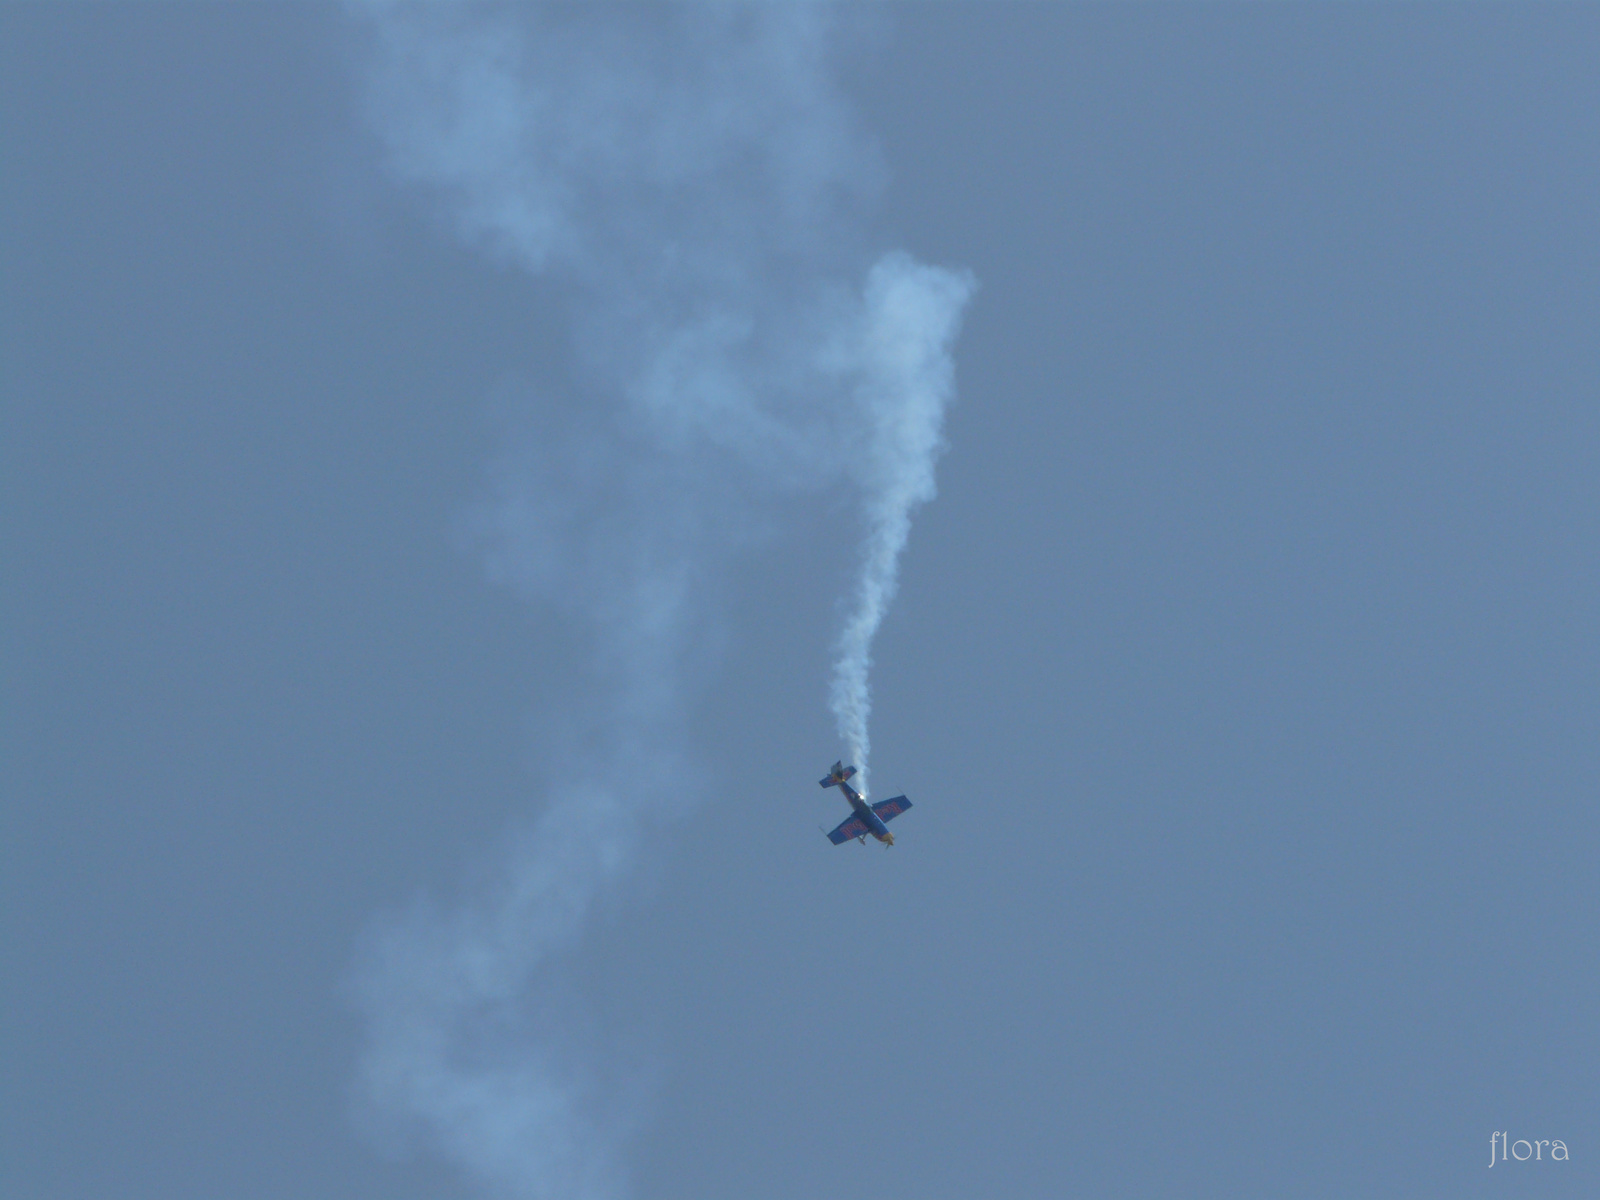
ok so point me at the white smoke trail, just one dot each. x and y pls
(687, 177)
(911, 316)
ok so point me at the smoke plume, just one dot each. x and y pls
(692, 183)
(908, 321)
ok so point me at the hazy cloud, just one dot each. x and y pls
(690, 178)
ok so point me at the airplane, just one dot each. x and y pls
(867, 818)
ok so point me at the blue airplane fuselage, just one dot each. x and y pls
(858, 802)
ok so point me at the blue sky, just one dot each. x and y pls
(1242, 671)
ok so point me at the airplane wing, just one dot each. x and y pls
(851, 827)
(891, 808)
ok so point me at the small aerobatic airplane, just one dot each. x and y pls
(867, 818)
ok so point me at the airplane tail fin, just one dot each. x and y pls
(839, 774)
